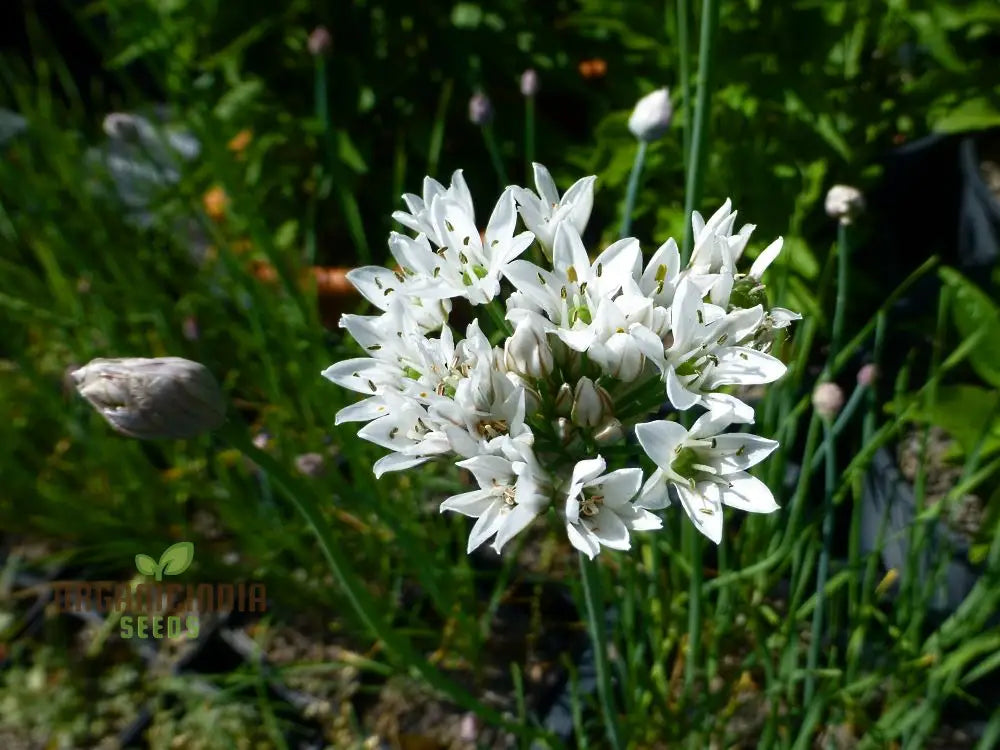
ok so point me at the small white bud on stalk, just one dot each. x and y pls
(591, 404)
(320, 41)
(480, 109)
(828, 400)
(166, 397)
(527, 351)
(844, 203)
(652, 115)
(529, 82)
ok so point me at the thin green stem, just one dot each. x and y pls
(699, 133)
(633, 188)
(693, 538)
(529, 136)
(491, 146)
(840, 309)
(684, 66)
(591, 580)
(824, 561)
(437, 129)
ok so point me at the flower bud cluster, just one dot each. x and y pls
(572, 356)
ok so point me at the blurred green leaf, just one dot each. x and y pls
(972, 311)
(979, 113)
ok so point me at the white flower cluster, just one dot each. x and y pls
(584, 350)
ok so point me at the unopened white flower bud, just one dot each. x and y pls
(828, 400)
(651, 117)
(320, 41)
(609, 432)
(167, 397)
(529, 82)
(626, 359)
(591, 404)
(659, 321)
(480, 109)
(564, 400)
(527, 351)
(844, 203)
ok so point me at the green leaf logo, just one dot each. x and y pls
(175, 560)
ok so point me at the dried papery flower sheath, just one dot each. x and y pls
(563, 361)
(166, 397)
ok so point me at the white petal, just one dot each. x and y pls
(765, 259)
(617, 487)
(655, 494)
(737, 411)
(622, 260)
(586, 470)
(754, 450)
(583, 540)
(609, 529)
(547, 190)
(514, 522)
(705, 512)
(740, 365)
(363, 411)
(375, 284)
(359, 374)
(487, 525)
(579, 339)
(472, 504)
(385, 431)
(580, 197)
(780, 317)
(678, 393)
(489, 470)
(640, 519)
(568, 250)
(745, 492)
(460, 192)
(650, 345)
(539, 285)
(397, 462)
(502, 221)
(660, 440)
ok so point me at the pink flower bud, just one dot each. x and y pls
(828, 400)
(480, 109)
(320, 42)
(868, 374)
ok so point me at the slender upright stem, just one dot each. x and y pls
(684, 67)
(824, 562)
(843, 260)
(590, 576)
(437, 130)
(491, 146)
(633, 188)
(322, 116)
(694, 605)
(699, 132)
(529, 135)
